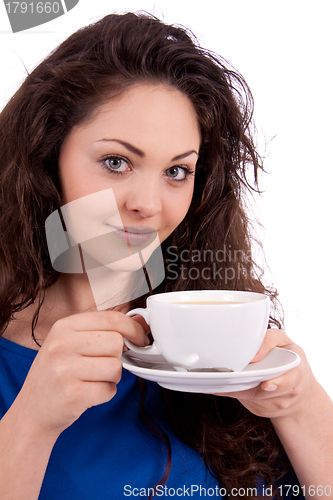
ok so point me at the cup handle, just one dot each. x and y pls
(150, 349)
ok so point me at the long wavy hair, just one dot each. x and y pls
(211, 248)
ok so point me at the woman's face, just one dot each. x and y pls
(130, 168)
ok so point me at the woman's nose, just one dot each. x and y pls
(145, 198)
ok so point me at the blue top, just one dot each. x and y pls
(107, 454)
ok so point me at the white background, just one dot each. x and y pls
(284, 51)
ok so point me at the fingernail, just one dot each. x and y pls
(147, 341)
(271, 388)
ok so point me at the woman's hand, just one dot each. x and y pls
(78, 366)
(301, 413)
(282, 395)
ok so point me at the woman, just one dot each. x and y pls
(133, 106)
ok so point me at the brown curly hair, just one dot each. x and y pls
(93, 65)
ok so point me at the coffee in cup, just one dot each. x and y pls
(205, 328)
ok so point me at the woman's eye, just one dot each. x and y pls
(178, 173)
(116, 164)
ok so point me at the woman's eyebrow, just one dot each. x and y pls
(184, 155)
(127, 145)
(140, 153)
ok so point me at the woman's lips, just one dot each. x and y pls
(134, 236)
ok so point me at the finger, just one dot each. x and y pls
(273, 338)
(100, 343)
(136, 330)
(284, 383)
(142, 322)
(98, 369)
(113, 321)
(98, 393)
(101, 320)
(94, 343)
(246, 394)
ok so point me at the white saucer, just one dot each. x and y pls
(276, 363)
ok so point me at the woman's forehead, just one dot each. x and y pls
(157, 110)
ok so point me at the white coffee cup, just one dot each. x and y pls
(205, 328)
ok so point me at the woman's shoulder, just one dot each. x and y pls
(19, 336)
(10, 347)
(15, 363)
